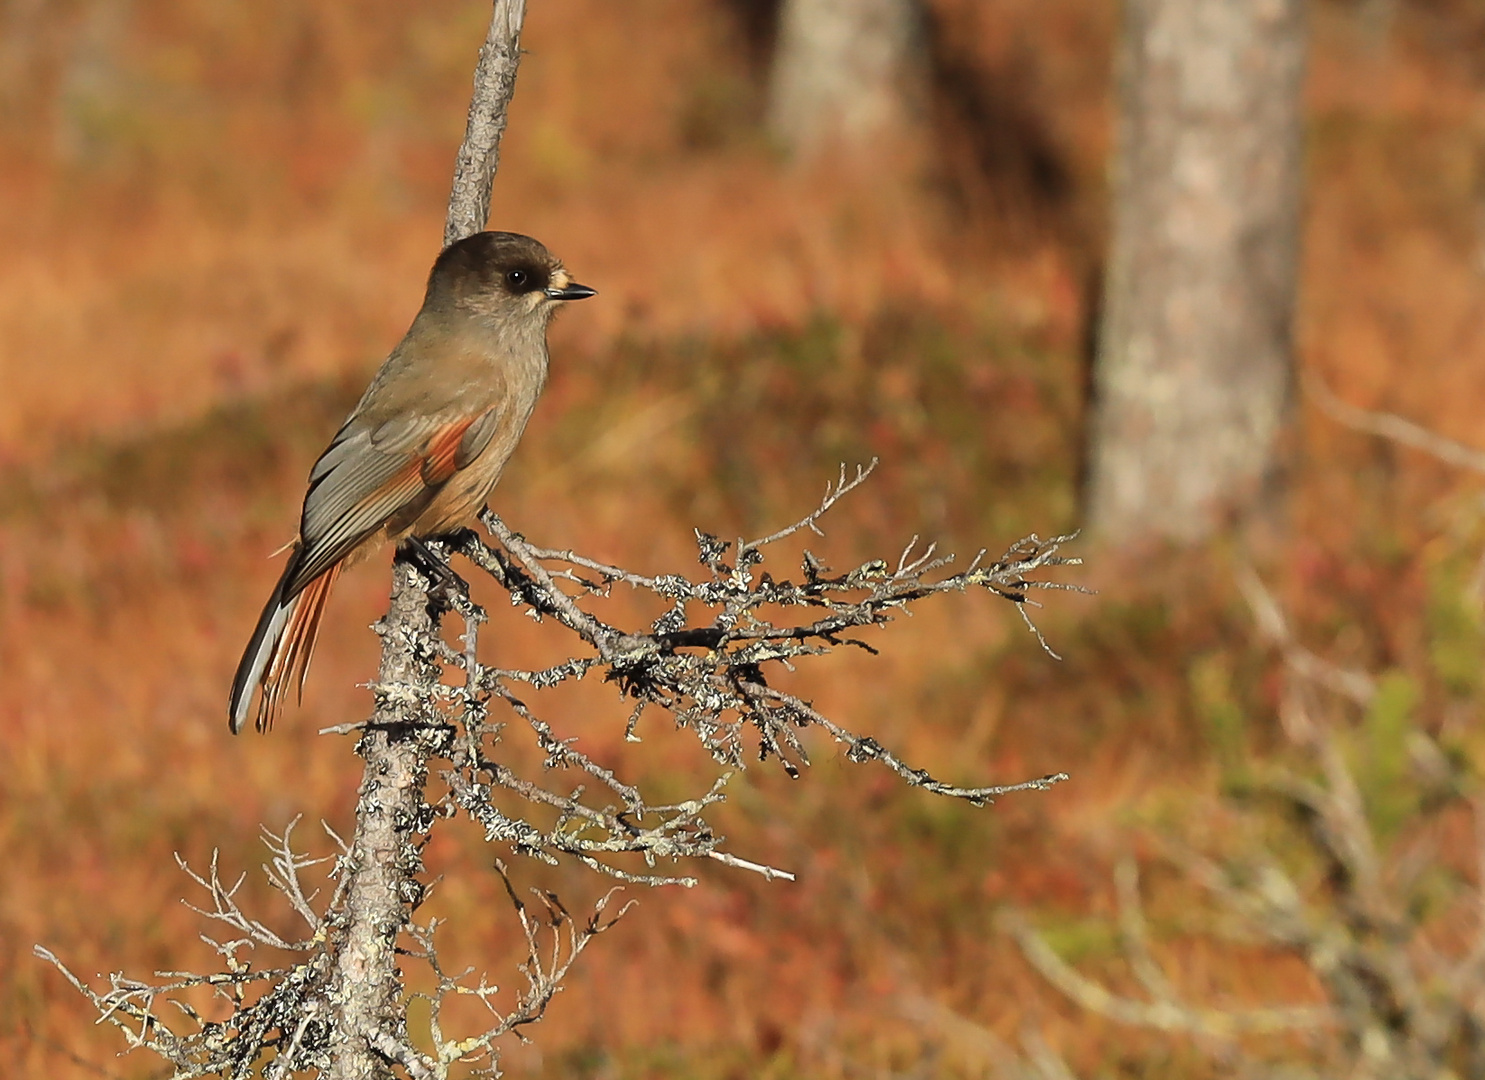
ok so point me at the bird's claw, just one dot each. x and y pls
(442, 579)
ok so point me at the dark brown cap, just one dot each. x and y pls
(499, 262)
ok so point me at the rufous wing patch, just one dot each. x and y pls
(440, 457)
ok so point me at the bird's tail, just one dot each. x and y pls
(279, 651)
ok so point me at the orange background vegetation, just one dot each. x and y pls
(215, 217)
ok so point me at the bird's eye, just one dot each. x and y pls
(516, 278)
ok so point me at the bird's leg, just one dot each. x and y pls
(441, 576)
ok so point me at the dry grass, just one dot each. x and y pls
(195, 280)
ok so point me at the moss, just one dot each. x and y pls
(1382, 767)
(1221, 716)
(1080, 939)
(1455, 629)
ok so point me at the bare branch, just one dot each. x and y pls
(1160, 1015)
(283, 872)
(768, 872)
(1136, 934)
(1356, 685)
(833, 494)
(479, 154)
(1390, 426)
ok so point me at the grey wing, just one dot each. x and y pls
(366, 476)
(477, 437)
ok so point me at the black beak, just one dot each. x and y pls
(574, 291)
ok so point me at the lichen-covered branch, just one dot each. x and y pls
(280, 1013)
(436, 748)
(393, 819)
(292, 1016)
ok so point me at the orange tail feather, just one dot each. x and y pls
(292, 654)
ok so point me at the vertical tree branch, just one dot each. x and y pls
(479, 156)
(391, 815)
(391, 821)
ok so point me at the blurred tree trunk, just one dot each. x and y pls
(1194, 368)
(841, 69)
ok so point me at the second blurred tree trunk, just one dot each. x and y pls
(1193, 374)
(840, 70)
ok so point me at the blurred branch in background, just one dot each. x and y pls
(1345, 858)
(1404, 432)
(1391, 426)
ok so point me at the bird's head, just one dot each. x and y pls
(502, 276)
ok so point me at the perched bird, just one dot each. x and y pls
(421, 451)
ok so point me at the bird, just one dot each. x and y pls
(418, 456)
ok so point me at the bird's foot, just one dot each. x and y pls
(442, 579)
